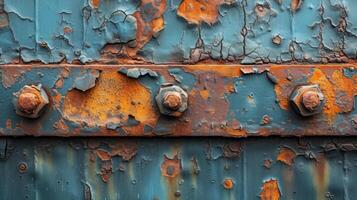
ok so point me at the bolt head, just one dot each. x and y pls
(311, 100)
(171, 100)
(307, 100)
(30, 101)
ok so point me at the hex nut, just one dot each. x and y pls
(307, 100)
(171, 100)
(30, 101)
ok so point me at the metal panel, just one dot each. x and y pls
(232, 101)
(152, 31)
(198, 168)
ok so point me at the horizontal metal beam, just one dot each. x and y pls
(178, 100)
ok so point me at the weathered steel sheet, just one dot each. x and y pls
(161, 31)
(201, 168)
(220, 100)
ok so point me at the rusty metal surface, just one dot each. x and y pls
(211, 100)
(178, 168)
(190, 31)
(150, 68)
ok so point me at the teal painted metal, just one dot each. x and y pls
(102, 168)
(177, 31)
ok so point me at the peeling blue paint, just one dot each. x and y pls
(320, 31)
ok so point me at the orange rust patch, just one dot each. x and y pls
(127, 150)
(221, 70)
(234, 128)
(157, 24)
(197, 11)
(228, 183)
(67, 29)
(147, 29)
(56, 99)
(171, 167)
(61, 126)
(103, 155)
(95, 3)
(204, 94)
(236, 132)
(295, 4)
(270, 190)
(330, 87)
(114, 98)
(286, 156)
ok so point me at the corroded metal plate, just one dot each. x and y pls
(223, 100)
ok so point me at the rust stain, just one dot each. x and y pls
(235, 129)
(67, 30)
(171, 167)
(295, 5)
(10, 75)
(270, 190)
(147, 27)
(228, 183)
(124, 148)
(286, 156)
(127, 150)
(61, 125)
(63, 75)
(261, 10)
(268, 163)
(114, 92)
(321, 176)
(221, 70)
(56, 99)
(197, 11)
(106, 170)
(103, 154)
(59, 83)
(8, 124)
(331, 86)
(212, 112)
(157, 24)
(95, 3)
(204, 94)
(232, 150)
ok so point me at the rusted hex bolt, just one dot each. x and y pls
(307, 100)
(30, 101)
(171, 100)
